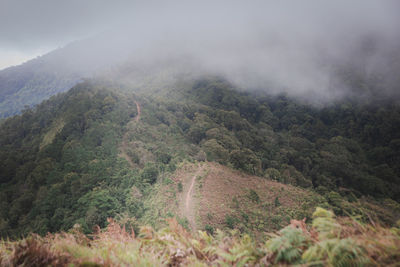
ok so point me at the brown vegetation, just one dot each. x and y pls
(341, 242)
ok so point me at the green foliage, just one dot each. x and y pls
(245, 160)
(325, 223)
(150, 173)
(332, 250)
(215, 152)
(180, 187)
(253, 196)
(70, 165)
(184, 222)
(65, 150)
(363, 245)
(273, 174)
(276, 202)
(230, 221)
(288, 246)
(336, 252)
(209, 229)
(31, 83)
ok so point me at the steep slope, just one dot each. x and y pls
(29, 84)
(189, 210)
(209, 196)
(124, 144)
(32, 82)
(58, 161)
(83, 156)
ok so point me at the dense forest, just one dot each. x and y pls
(29, 84)
(61, 163)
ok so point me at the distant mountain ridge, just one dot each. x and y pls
(32, 82)
(364, 75)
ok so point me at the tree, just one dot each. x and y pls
(150, 173)
(214, 151)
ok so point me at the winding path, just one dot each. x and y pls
(139, 112)
(189, 208)
(124, 144)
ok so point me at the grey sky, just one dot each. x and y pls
(282, 42)
(28, 25)
(29, 28)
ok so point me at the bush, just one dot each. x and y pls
(180, 187)
(209, 229)
(276, 202)
(253, 196)
(331, 242)
(288, 246)
(230, 221)
(273, 174)
(150, 173)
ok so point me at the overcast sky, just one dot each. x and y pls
(30, 28)
(263, 38)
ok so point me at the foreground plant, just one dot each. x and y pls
(329, 242)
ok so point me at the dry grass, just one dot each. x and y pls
(226, 192)
(215, 188)
(343, 241)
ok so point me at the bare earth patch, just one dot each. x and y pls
(226, 192)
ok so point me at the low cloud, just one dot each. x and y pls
(302, 48)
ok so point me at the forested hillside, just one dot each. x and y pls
(327, 148)
(31, 83)
(36, 80)
(62, 162)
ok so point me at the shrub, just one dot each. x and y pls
(276, 202)
(209, 229)
(230, 221)
(180, 187)
(253, 196)
(150, 173)
(349, 244)
(184, 222)
(273, 174)
(287, 246)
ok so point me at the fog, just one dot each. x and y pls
(320, 49)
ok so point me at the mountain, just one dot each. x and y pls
(366, 72)
(205, 174)
(105, 150)
(32, 82)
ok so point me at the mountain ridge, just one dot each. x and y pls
(74, 174)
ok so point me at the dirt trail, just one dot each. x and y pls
(139, 112)
(189, 208)
(124, 144)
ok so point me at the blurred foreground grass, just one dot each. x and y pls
(328, 241)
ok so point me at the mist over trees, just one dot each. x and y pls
(317, 52)
(66, 168)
